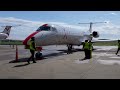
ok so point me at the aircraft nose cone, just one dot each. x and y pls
(29, 37)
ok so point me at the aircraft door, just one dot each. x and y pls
(55, 33)
(65, 35)
(60, 34)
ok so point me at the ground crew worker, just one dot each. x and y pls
(86, 49)
(32, 50)
(118, 47)
(90, 49)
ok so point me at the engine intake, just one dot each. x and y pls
(95, 34)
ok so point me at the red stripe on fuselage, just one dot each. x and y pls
(28, 38)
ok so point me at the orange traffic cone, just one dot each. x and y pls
(16, 58)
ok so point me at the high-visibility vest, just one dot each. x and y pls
(90, 46)
(31, 45)
(86, 45)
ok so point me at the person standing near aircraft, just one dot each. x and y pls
(118, 47)
(32, 50)
(86, 49)
(90, 49)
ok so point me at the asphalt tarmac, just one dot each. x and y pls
(57, 64)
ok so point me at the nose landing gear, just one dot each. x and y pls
(38, 55)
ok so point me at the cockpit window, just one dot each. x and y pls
(53, 29)
(43, 28)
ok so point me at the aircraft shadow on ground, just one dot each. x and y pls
(23, 60)
(53, 54)
(62, 52)
(21, 65)
(74, 50)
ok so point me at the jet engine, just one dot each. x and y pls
(95, 34)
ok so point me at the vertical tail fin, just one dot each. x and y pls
(7, 30)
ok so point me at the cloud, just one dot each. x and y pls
(112, 13)
(21, 32)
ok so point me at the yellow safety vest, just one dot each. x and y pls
(90, 46)
(86, 45)
(31, 45)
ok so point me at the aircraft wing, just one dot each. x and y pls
(103, 40)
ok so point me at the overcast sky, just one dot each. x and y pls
(31, 20)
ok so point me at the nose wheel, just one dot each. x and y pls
(38, 55)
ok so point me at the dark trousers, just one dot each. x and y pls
(87, 54)
(32, 56)
(117, 50)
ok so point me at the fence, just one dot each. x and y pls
(11, 42)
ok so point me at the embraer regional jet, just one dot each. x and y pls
(48, 34)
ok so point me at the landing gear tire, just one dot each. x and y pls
(38, 56)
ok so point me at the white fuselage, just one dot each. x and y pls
(3, 36)
(61, 36)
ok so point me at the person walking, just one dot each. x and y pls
(32, 50)
(118, 47)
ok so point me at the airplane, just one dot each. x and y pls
(6, 32)
(52, 34)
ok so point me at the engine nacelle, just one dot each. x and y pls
(95, 34)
